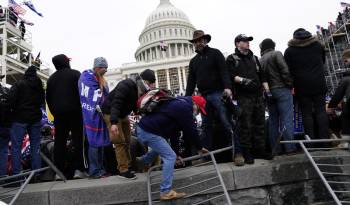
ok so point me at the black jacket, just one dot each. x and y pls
(26, 99)
(276, 69)
(246, 67)
(62, 93)
(5, 110)
(305, 59)
(343, 91)
(121, 100)
(208, 71)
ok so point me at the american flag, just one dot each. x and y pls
(16, 7)
(163, 46)
(344, 4)
(25, 148)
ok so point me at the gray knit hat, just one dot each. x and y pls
(100, 62)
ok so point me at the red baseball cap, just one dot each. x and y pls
(200, 102)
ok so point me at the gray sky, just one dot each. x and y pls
(84, 30)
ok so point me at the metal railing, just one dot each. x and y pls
(328, 169)
(153, 180)
(14, 185)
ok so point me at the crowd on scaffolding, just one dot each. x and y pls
(341, 20)
(225, 104)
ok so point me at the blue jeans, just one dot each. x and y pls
(216, 109)
(4, 145)
(159, 147)
(18, 130)
(96, 168)
(281, 119)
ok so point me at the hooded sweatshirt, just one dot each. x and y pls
(27, 97)
(171, 118)
(62, 94)
(305, 57)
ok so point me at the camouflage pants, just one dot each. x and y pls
(252, 122)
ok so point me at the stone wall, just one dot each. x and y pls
(283, 181)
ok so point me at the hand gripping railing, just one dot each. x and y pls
(179, 172)
(333, 184)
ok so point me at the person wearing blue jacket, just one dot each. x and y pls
(166, 123)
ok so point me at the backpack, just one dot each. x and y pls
(152, 100)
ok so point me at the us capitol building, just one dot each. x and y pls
(164, 48)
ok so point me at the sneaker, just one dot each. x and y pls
(248, 158)
(127, 175)
(171, 195)
(238, 159)
(79, 175)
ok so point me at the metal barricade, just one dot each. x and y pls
(153, 180)
(337, 184)
(14, 185)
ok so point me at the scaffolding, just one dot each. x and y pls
(336, 39)
(16, 49)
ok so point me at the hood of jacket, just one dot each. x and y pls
(302, 42)
(267, 51)
(61, 62)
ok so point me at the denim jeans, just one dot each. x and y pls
(4, 145)
(281, 119)
(18, 130)
(96, 168)
(216, 108)
(160, 147)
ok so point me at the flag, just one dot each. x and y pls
(30, 5)
(163, 46)
(344, 4)
(318, 27)
(38, 57)
(16, 7)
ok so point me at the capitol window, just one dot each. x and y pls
(175, 32)
(160, 34)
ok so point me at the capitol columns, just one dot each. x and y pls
(184, 77)
(167, 78)
(180, 78)
(156, 74)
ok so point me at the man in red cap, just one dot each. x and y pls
(154, 129)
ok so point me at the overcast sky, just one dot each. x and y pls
(84, 30)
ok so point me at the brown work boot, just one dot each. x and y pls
(238, 159)
(171, 195)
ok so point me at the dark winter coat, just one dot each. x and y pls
(246, 67)
(171, 118)
(27, 97)
(121, 100)
(62, 93)
(207, 71)
(5, 110)
(276, 69)
(343, 92)
(305, 59)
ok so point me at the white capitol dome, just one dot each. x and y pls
(166, 26)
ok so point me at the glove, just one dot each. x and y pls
(246, 81)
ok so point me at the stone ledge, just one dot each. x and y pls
(113, 190)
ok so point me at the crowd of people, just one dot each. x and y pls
(91, 116)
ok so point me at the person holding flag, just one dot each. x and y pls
(93, 92)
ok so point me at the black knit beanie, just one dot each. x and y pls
(148, 75)
(267, 43)
(301, 34)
